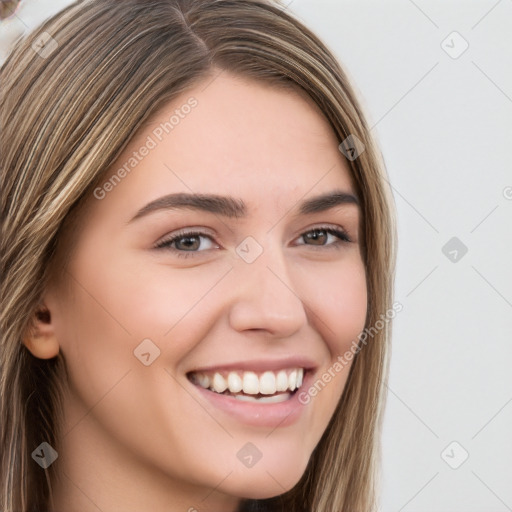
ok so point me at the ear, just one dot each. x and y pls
(40, 338)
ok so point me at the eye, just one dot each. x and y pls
(186, 243)
(320, 235)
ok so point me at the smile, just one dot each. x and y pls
(264, 387)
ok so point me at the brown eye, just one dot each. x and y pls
(188, 242)
(317, 236)
(320, 236)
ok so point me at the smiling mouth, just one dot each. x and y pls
(265, 387)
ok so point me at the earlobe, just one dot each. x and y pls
(40, 338)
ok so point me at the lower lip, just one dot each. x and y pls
(276, 415)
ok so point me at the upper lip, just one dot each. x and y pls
(260, 365)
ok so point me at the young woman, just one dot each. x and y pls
(197, 261)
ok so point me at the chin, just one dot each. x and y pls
(265, 482)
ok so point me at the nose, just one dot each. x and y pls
(264, 297)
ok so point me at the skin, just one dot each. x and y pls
(141, 437)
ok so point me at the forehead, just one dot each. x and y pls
(234, 136)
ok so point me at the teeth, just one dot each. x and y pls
(292, 380)
(235, 383)
(267, 383)
(282, 381)
(251, 383)
(204, 380)
(219, 383)
(281, 397)
(300, 375)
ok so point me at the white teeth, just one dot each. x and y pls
(246, 398)
(281, 397)
(235, 383)
(251, 383)
(292, 379)
(204, 380)
(219, 383)
(300, 376)
(267, 383)
(282, 381)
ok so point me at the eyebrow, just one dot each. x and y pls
(234, 207)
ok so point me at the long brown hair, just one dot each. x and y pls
(67, 110)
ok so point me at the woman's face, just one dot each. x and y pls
(151, 315)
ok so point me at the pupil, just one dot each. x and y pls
(314, 235)
(189, 240)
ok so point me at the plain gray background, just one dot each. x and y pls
(442, 114)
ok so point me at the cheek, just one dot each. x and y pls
(95, 341)
(100, 329)
(337, 297)
(347, 310)
(131, 300)
(174, 307)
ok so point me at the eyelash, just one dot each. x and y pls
(166, 243)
